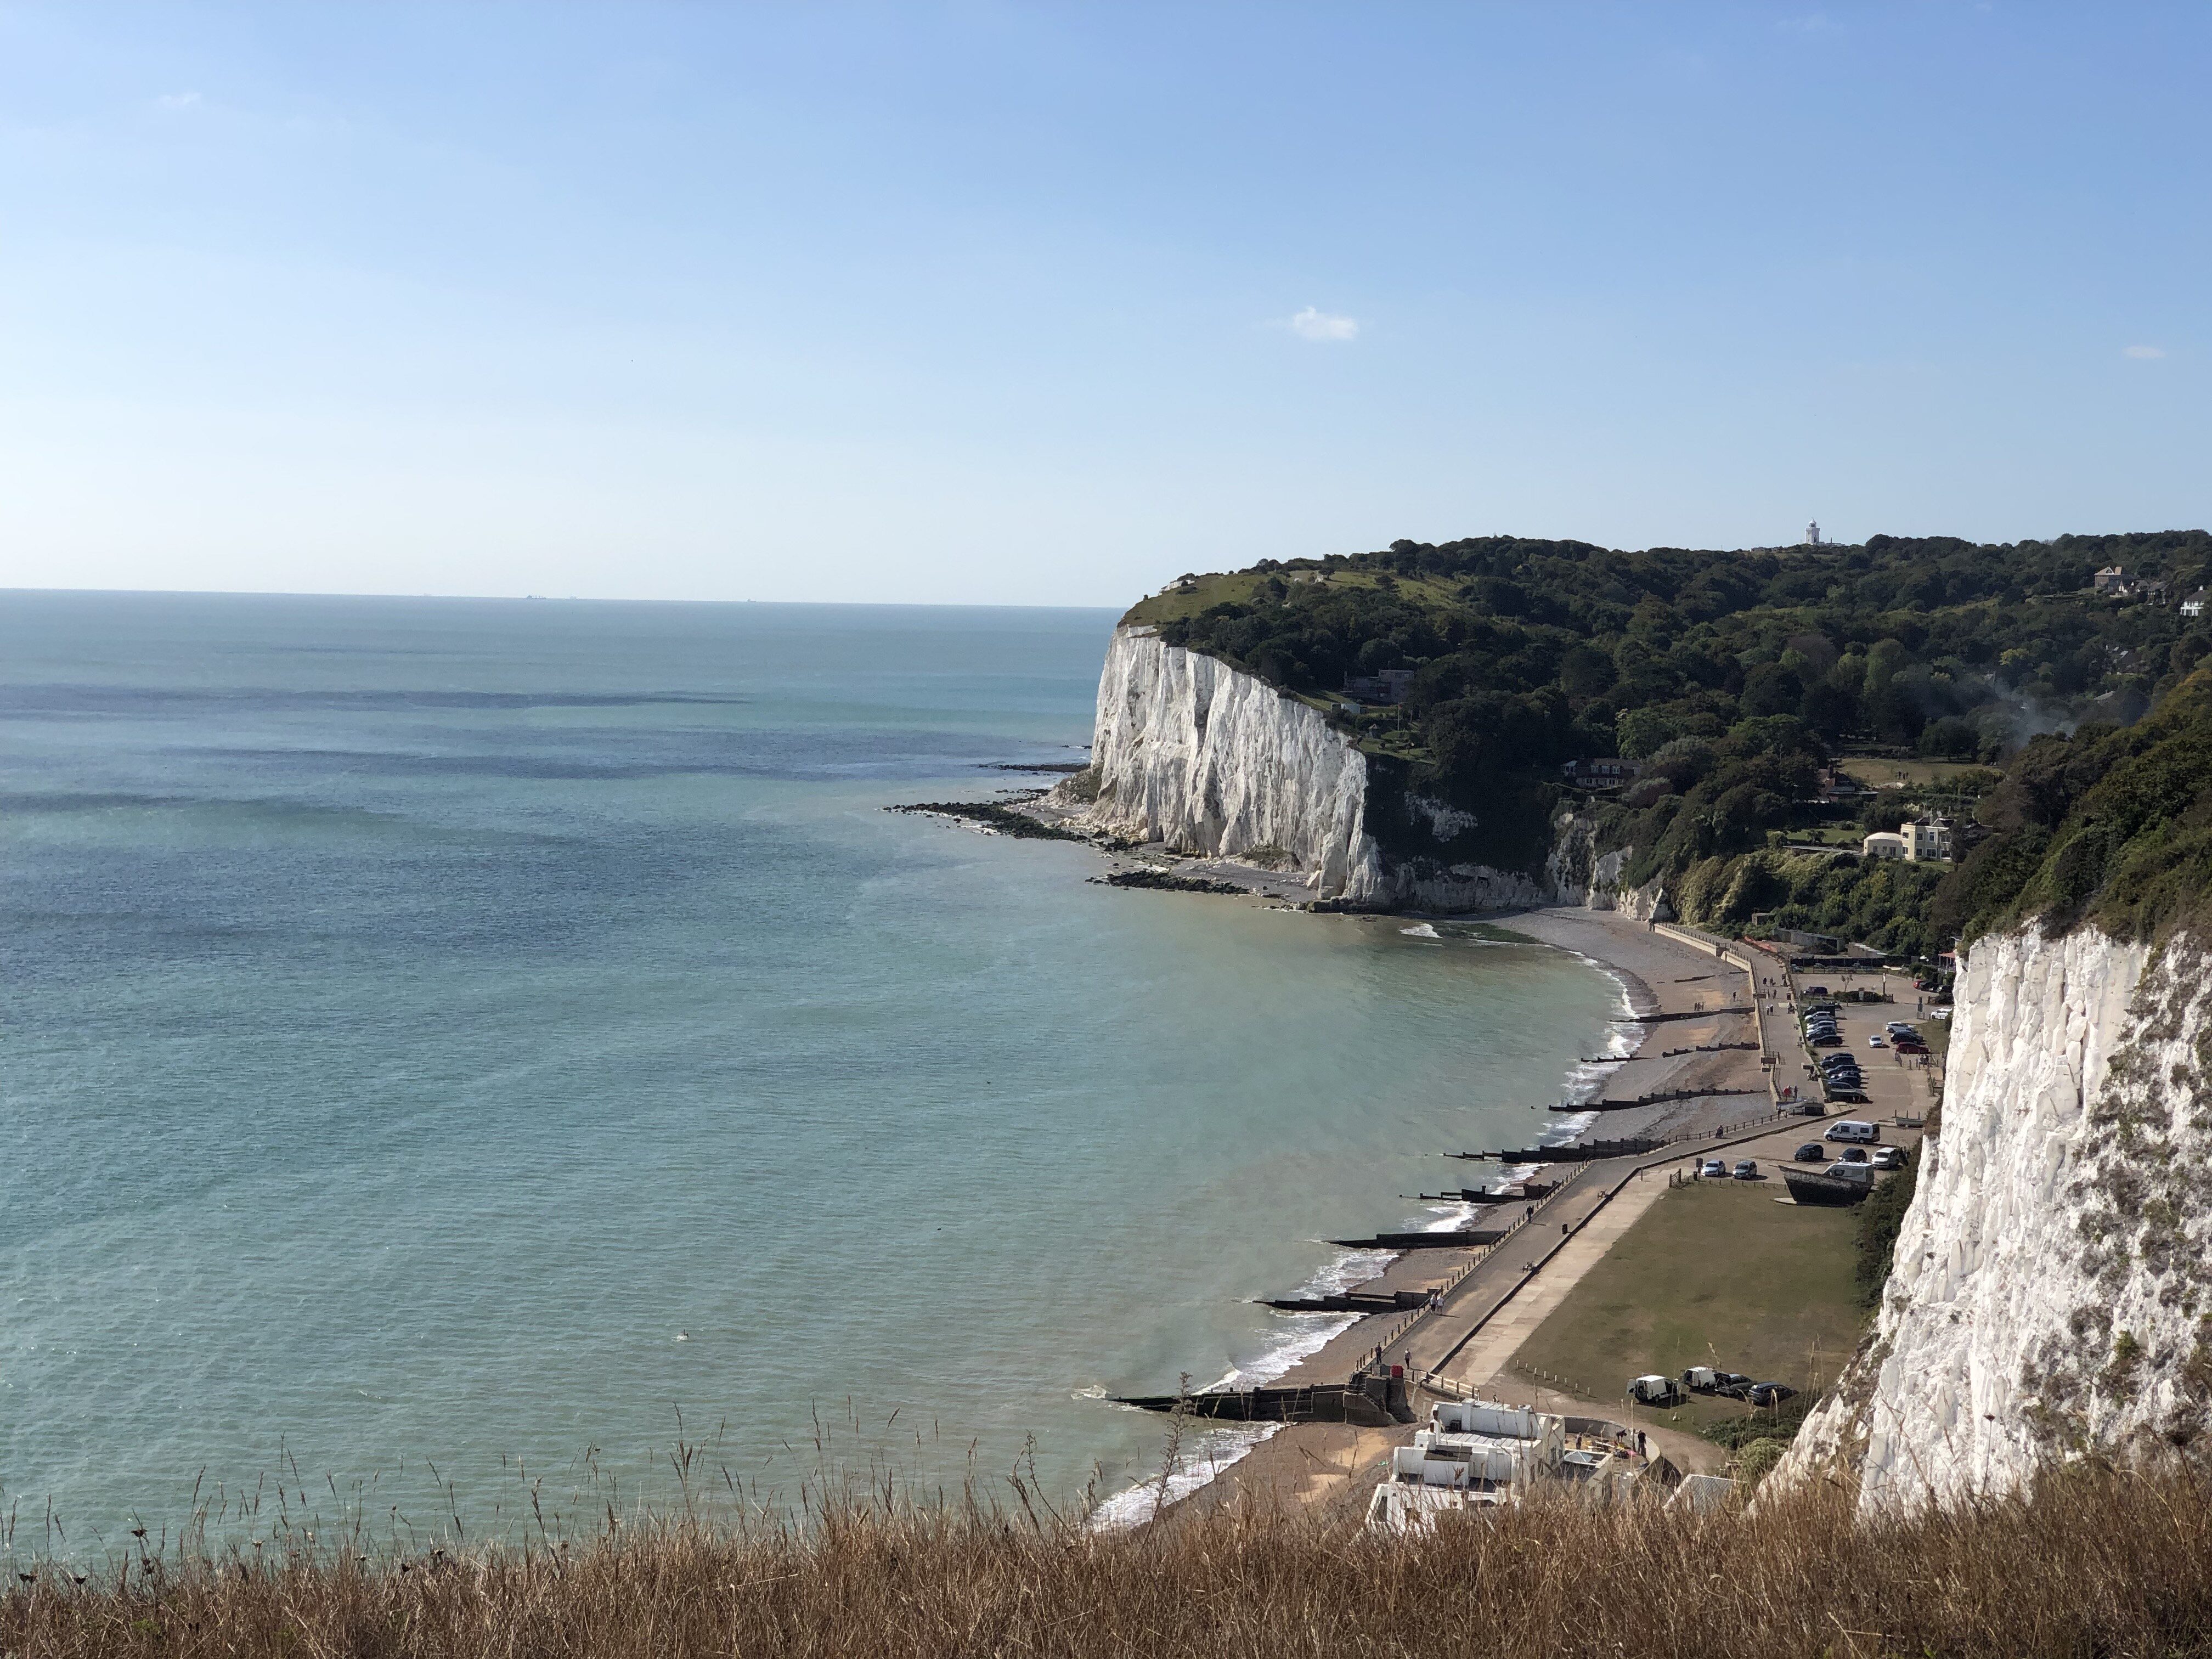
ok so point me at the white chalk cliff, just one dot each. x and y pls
(1209, 760)
(2052, 1289)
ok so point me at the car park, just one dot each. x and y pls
(1747, 1170)
(1811, 1152)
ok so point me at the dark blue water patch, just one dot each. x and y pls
(630, 754)
(195, 703)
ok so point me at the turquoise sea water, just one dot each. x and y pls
(478, 1031)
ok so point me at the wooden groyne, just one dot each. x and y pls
(1690, 1013)
(1371, 1400)
(1586, 1151)
(1358, 1301)
(1457, 1239)
(1659, 1099)
(1527, 1191)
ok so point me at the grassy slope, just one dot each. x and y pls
(1713, 1274)
(2095, 1562)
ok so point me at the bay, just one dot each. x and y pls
(511, 1034)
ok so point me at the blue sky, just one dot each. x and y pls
(1048, 303)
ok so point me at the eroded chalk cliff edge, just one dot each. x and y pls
(2052, 1295)
(1191, 752)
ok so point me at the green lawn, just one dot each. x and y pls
(1719, 1274)
(1879, 771)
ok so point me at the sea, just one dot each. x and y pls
(466, 1061)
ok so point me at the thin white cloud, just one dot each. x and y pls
(1312, 324)
(177, 101)
(2143, 352)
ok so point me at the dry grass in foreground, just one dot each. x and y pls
(2096, 1563)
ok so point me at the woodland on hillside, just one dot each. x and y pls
(1734, 679)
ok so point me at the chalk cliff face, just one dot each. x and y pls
(2052, 1292)
(1189, 751)
(1192, 752)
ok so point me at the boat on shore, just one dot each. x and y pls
(1837, 1185)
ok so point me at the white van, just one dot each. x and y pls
(1850, 1128)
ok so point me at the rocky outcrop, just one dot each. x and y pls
(1579, 874)
(1209, 760)
(2052, 1295)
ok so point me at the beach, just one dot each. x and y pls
(1684, 1000)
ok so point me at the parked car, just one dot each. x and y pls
(1847, 1172)
(1826, 1040)
(1769, 1393)
(1713, 1170)
(1654, 1390)
(1856, 1154)
(1709, 1379)
(1811, 1152)
(1886, 1157)
(1897, 1028)
(1910, 1046)
(1852, 1129)
(1875, 1042)
(1816, 990)
(1747, 1170)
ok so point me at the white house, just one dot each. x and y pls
(1882, 845)
(1925, 839)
